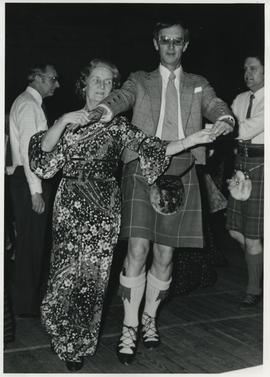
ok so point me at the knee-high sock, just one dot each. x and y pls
(131, 291)
(156, 291)
(255, 271)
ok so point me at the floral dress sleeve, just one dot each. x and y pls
(45, 164)
(151, 150)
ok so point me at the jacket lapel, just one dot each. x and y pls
(186, 94)
(154, 85)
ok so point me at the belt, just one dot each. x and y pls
(79, 177)
(250, 150)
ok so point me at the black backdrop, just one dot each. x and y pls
(71, 34)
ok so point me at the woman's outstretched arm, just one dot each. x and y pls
(52, 136)
(201, 137)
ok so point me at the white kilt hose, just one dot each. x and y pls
(140, 219)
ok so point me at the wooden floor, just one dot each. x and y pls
(202, 332)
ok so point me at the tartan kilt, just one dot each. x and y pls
(139, 218)
(247, 217)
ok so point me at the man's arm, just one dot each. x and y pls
(27, 127)
(252, 127)
(217, 111)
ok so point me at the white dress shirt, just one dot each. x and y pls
(252, 128)
(165, 73)
(26, 118)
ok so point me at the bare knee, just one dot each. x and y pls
(238, 237)
(253, 247)
(136, 256)
(162, 261)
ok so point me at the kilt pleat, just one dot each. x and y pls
(247, 217)
(139, 218)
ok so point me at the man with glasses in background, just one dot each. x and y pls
(30, 195)
(169, 104)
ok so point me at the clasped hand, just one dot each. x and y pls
(203, 136)
(221, 127)
(75, 119)
(82, 118)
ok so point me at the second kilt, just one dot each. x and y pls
(247, 217)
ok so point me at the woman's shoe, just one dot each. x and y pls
(127, 345)
(74, 366)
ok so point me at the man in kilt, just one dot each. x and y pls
(170, 104)
(245, 218)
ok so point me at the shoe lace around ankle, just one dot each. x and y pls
(128, 339)
(149, 327)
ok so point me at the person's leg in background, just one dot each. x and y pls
(30, 246)
(254, 259)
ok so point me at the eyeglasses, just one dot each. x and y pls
(163, 40)
(51, 78)
(99, 82)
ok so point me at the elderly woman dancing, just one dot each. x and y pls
(86, 215)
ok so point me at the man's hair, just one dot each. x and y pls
(35, 69)
(255, 53)
(168, 23)
(87, 70)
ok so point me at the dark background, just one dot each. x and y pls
(69, 35)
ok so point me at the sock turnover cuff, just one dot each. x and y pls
(155, 282)
(132, 282)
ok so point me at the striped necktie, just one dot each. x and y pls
(251, 98)
(170, 123)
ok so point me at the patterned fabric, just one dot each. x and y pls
(191, 269)
(247, 216)
(86, 224)
(167, 194)
(139, 218)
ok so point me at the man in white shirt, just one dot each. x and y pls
(29, 194)
(245, 219)
(168, 103)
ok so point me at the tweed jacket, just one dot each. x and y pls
(142, 92)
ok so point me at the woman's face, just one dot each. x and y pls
(98, 85)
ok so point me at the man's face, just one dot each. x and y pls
(254, 74)
(171, 45)
(49, 82)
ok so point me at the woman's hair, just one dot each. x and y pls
(87, 70)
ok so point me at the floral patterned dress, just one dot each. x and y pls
(86, 222)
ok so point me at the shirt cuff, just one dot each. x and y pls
(107, 115)
(228, 119)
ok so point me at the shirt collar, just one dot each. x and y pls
(258, 94)
(165, 72)
(35, 94)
